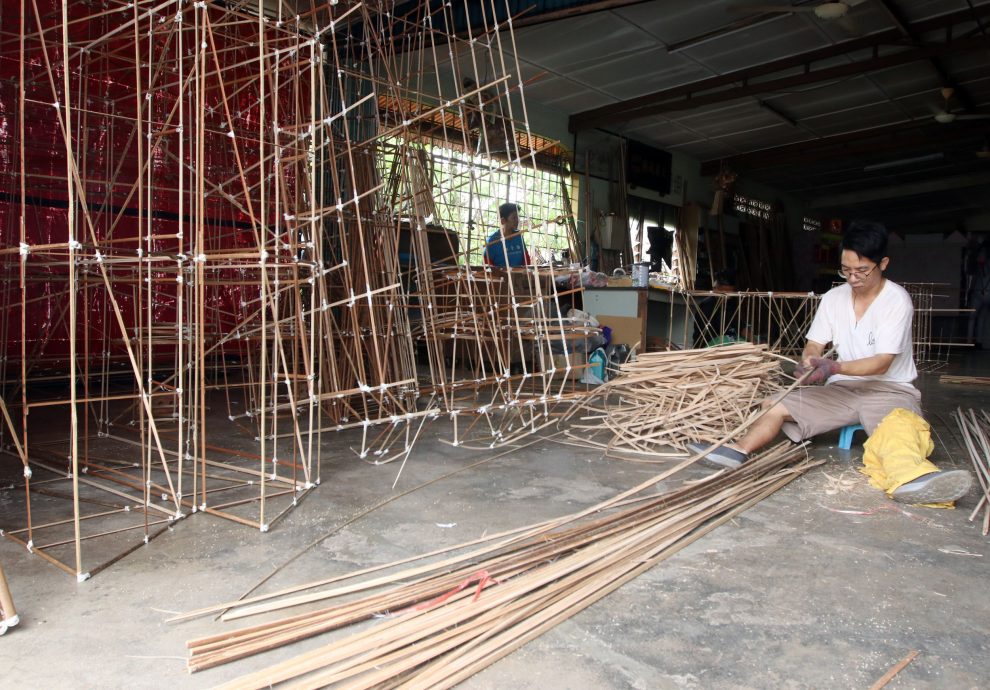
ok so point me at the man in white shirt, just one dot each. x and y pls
(868, 322)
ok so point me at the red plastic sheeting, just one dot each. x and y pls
(135, 123)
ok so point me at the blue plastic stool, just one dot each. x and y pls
(846, 435)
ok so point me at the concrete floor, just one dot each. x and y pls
(825, 584)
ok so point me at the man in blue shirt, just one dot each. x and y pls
(514, 248)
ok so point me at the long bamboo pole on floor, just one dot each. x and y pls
(609, 546)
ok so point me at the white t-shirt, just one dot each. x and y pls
(884, 329)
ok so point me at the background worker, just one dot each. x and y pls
(868, 320)
(505, 247)
(978, 293)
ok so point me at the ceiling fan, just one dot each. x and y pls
(945, 115)
(823, 10)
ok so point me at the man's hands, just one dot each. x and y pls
(818, 370)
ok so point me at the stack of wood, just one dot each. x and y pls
(975, 427)
(443, 621)
(663, 400)
(965, 380)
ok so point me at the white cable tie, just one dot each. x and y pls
(82, 577)
(75, 245)
(264, 528)
(200, 258)
(56, 105)
(25, 249)
(27, 472)
(30, 545)
(140, 252)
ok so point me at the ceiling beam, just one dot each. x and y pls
(740, 83)
(905, 135)
(690, 101)
(900, 21)
(725, 30)
(901, 190)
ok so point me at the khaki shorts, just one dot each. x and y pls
(817, 409)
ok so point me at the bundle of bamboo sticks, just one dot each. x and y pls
(965, 380)
(457, 615)
(665, 399)
(975, 427)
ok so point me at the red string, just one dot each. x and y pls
(483, 578)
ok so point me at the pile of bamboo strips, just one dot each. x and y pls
(975, 427)
(965, 380)
(663, 400)
(456, 616)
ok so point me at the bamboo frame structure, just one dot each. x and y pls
(929, 354)
(217, 246)
(779, 320)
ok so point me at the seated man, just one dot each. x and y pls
(868, 320)
(505, 247)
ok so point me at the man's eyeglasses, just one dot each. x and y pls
(851, 273)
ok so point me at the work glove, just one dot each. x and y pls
(820, 368)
